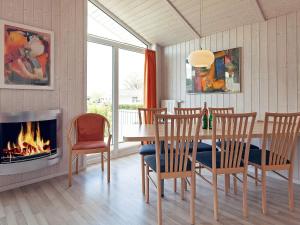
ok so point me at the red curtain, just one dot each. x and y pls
(150, 79)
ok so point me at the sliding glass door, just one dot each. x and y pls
(115, 68)
(131, 87)
(115, 85)
(99, 79)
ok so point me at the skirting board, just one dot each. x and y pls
(39, 179)
(32, 181)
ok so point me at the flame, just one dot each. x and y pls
(29, 142)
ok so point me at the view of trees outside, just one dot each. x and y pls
(131, 87)
(99, 83)
(99, 79)
(99, 70)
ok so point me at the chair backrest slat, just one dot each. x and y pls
(282, 143)
(187, 111)
(224, 110)
(146, 116)
(179, 131)
(236, 133)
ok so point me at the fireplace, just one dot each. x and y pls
(29, 141)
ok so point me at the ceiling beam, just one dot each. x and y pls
(259, 8)
(182, 18)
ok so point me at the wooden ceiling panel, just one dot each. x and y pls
(158, 22)
(152, 19)
(274, 8)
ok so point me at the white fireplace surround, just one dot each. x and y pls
(36, 164)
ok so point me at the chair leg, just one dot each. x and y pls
(256, 176)
(245, 195)
(175, 184)
(195, 188)
(143, 174)
(108, 166)
(192, 200)
(182, 188)
(185, 184)
(77, 166)
(227, 178)
(147, 184)
(70, 168)
(235, 187)
(291, 189)
(263, 192)
(215, 190)
(102, 161)
(159, 207)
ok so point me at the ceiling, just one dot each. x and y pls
(166, 22)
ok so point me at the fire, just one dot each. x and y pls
(29, 142)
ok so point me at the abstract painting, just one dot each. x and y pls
(26, 60)
(223, 75)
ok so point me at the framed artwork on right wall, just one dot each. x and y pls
(224, 75)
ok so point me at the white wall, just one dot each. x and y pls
(270, 68)
(67, 19)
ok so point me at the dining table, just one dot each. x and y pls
(146, 132)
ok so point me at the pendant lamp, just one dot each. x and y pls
(201, 58)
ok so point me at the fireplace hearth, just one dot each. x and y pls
(29, 141)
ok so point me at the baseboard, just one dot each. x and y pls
(125, 153)
(32, 181)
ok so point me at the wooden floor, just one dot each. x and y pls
(92, 201)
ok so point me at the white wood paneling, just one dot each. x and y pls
(159, 23)
(66, 18)
(155, 20)
(269, 64)
(275, 8)
(272, 65)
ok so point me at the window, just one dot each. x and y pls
(131, 87)
(99, 79)
(103, 26)
(115, 72)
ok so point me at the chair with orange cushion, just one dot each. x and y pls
(86, 136)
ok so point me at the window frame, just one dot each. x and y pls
(121, 23)
(115, 80)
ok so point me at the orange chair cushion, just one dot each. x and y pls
(90, 127)
(85, 145)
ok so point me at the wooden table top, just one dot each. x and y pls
(146, 132)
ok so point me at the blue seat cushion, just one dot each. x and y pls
(151, 162)
(251, 145)
(255, 156)
(205, 158)
(201, 147)
(147, 149)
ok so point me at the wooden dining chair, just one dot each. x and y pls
(228, 110)
(235, 131)
(201, 146)
(174, 161)
(86, 136)
(191, 111)
(146, 116)
(187, 111)
(222, 110)
(278, 151)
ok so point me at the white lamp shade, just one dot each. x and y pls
(201, 58)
